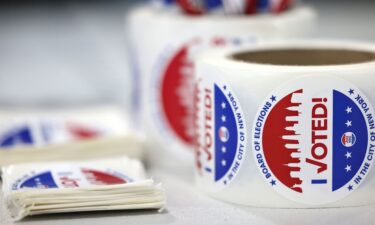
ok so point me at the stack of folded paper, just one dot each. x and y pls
(108, 184)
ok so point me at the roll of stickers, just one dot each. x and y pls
(287, 124)
(165, 44)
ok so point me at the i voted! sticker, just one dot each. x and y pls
(221, 145)
(39, 132)
(173, 83)
(69, 177)
(314, 139)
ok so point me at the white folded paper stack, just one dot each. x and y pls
(66, 134)
(108, 184)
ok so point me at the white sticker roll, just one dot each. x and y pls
(164, 44)
(287, 124)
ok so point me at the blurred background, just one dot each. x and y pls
(74, 52)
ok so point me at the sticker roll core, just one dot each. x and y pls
(165, 44)
(287, 125)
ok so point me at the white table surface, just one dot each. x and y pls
(351, 20)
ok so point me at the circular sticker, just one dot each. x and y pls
(173, 83)
(221, 127)
(42, 131)
(69, 178)
(314, 139)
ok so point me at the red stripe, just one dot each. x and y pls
(282, 6)
(250, 7)
(190, 8)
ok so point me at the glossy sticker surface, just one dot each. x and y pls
(314, 138)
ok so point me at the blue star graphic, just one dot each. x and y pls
(225, 182)
(350, 187)
(225, 87)
(273, 98)
(348, 110)
(351, 91)
(273, 182)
